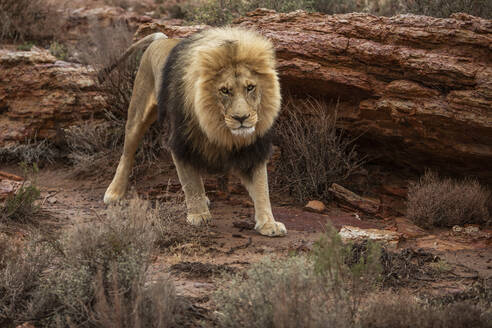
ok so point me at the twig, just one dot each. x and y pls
(235, 248)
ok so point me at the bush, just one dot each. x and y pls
(94, 275)
(433, 201)
(20, 207)
(29, 20)
(392, 311)
(22, 266)
(115, 249)
(314, 153)
(321, 291)
(33, 151)
(444, 8)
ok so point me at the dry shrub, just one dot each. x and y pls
(94, 275)
(30, 20)
(22, 266)
(444, 202)
(32, 151)
(321, 291)
(101, 276)
(92, 146)
(392, 311)
(20, 207)
(314, 152)
(444, 8)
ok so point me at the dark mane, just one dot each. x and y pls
(186, 136)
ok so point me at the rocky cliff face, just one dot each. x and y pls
(39, 94)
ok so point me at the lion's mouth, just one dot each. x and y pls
(243, 131)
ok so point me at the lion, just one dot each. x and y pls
(219, 93)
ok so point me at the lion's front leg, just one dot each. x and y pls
(257, 186)
(196, 200)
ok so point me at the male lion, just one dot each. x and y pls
(219, 93)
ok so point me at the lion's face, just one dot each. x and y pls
(239, 94)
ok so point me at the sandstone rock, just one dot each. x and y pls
(365, 204)
(354, 234)
(39, 94)
(315, 206)
(408, 229)
(418, 88)
(9, 184)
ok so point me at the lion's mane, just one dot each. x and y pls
(187, 99)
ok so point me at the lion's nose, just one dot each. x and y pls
(240, 118)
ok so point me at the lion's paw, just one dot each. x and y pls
(272, 229)
(112, 196)
(198, 219)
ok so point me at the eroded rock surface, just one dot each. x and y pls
(39, 95)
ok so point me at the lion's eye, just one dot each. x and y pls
(225, 91)
(250, 87)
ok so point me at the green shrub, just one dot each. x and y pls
(314, 152)
(20, 207)
(433, 201)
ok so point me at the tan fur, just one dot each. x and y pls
(209, 66)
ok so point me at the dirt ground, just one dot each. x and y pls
(442, 264)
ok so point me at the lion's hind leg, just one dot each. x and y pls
(196, 200)
(141, 114)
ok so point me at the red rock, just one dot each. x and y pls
(9, 184)
(315, 206)
(408, 229)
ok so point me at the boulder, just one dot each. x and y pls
(39, 95)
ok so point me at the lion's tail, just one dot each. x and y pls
(141, 44)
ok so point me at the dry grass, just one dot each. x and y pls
(394, 311)
(315, 153)
(35, 20)
(32, 151)
(444, 202)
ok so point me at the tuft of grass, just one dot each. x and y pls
(59, 50)
(314, 152)
(20, 207)
(444, 202)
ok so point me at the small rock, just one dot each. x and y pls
(52, 200)
(315, 205)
